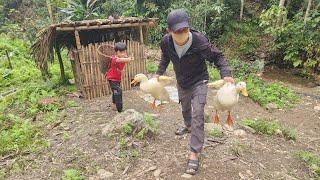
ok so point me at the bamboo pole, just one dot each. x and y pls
(80, 59)
(99, 81)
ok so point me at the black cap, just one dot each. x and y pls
(178, 19)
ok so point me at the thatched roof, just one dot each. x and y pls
(91, 31)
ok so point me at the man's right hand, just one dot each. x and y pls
(156, 76)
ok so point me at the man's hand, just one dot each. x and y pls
(156, 76)
(228, 79)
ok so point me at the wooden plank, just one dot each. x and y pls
(108, 26)
(141, 34)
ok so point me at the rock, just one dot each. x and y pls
(271, 106)
(187, 176)
(103, 174)
(284, 176)
(129, 116)
(106, 130)
(240, 133)
(152, 168)
(248, 129)
(208, 127)
(317, 108)
(262, 55)
(157, 173)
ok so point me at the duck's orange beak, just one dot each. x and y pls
(134, 82)
(244, 92)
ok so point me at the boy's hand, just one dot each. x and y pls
(228, 79)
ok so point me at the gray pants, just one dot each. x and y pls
(193, 101)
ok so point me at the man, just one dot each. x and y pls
(188, 49)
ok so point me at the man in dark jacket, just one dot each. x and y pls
(188, 49)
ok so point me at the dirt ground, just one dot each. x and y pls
(78, 143)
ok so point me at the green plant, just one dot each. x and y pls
(311, 160)
(122, 142)
(72, 174)
(77, 10)
(297, 42)
(270, 93)
(262, 126)
(72, 104)
(289, 134)
(152, 125)
(66, 137)
(237, 148)
(141, 134)
(127, 128)
(216, 133)
(214, 74)
(151, 66)
(18, 135)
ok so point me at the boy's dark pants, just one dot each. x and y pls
(193, 101)
(116, 94)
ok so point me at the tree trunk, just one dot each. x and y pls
(241, 10)
(50, 11)
(63, 75)
(307, 11)
(281, 4)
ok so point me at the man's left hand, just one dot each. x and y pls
(228, 79)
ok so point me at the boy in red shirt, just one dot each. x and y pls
(118, 61)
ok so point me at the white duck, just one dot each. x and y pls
(153, 86)
(227, 97)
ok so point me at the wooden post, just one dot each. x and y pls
(141, 34)
(63, 75)
(50, 11)
(10, 65)
(80, 76)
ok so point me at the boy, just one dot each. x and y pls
(118, 61)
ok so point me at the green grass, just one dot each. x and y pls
(312, 161)
(72, 174)
(127, 129)
(22, 88)
(263, 126)
(237, 148)
(276, 93)
(216, 133)
(18, 135)
(152, 127)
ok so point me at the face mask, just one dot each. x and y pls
(180, 38)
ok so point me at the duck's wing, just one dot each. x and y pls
(216, 84)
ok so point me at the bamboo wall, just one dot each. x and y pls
(86, 66)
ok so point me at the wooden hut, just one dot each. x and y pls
(82, 38)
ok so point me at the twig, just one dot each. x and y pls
(10, 65)
(229, 158)
(220, 141)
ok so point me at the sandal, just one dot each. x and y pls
(192, 167)
(181, 131)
